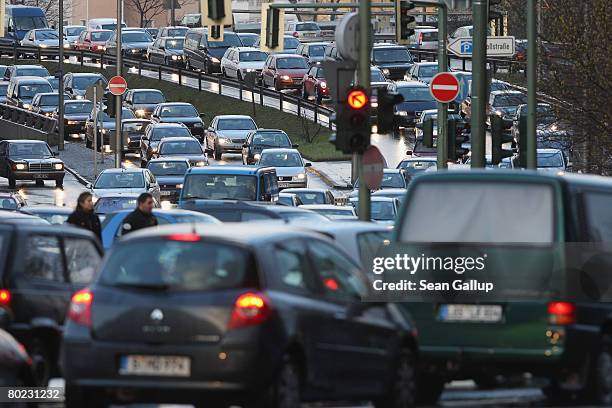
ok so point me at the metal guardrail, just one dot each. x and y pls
(27, 118)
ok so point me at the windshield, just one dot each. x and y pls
(415, 94)
(169, 168)
(428, 70)
(253, 56)
(377, 76)
(54, 82)
(49, 100)
(84, 82)
(179, 111)
(8, 203)
(307, 27)
(180, 266)
(136, 37)
(190, 19)
(550, 160)
(291, 63)
(120, 180)
(236, 124)
(148, 97)
(47, 35)
(28, 91)
(176, 147)
(392, 55)
(414, 167)
(32, 71)
(249, 40)
(393, 180)
(316, 50)
(78, 107)
(74, 31)
(106, 205)
(176, 32)
(504, 101)
(290, 43)
(27, 23)
(281, 159)
(271, 140)
(100, 35)
(159, 133)
(497, 86)
(381, 210)
(29, 151)
(175, 44)
(229, 40)
(220, 187)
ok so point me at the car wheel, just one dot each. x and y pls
(218, 153)
(41, 362)
(402, 390)
(284, 392)
(276, 85)
(12, 182)
(59, 183)
(429, 388)
(599, 387)
(304, 93)
(239, 76)
(318, 97)
(40, 183)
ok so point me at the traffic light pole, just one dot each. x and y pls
(442, 67)
(479, 82)
(118, 104)
(60, 108)
(532, 60)
(364, 74)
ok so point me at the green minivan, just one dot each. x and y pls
(536, 231)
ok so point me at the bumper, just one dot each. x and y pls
(170, 194)
(293, 183)
(293, 84)
(39, 175)
(74, 128)
(231, 148)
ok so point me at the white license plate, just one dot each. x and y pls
(282, 185)
(40, 176)
(470, 313)
(166, 193)
(167, 366)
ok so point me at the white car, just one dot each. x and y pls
(42, 38)
(238, 61)
(383, 209)
(334, 212)
(130, 182)
(551, 160)
(289, 165)
(72, 33)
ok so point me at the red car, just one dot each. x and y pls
(314, 84)
(93, 41)
(284, 71)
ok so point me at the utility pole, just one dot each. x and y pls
(479, 82)
(118, 105)
(60, 110)
(442, 147)
(172, 13)
(532, 79)
(364, 74)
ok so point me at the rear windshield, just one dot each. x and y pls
(180, 266)
(430, 36)
(28, 91)
(177, 32)
(316, 50)
(290, 43)
(432, 216)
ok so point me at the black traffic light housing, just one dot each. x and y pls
(215, 32)
(498, 138)
(110, 108)
(455, 139)
(522, 142)
(427, 128)
(352, 121)
(405, 21)
(273, 27)
(216, 9)
(385, 115)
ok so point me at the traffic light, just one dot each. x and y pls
(522, 142)
(405, 21)
(215, 32)
(428, 133)
(272, 27)
(352, 121)
(498, 139)
(456, 138)
(385, 115)
(110, 107)
(216, 9)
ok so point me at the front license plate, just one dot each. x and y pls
(470, 313)
(166, 193)
(40, 176)
(166, 366)
(283, 185)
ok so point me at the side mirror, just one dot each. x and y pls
(308, 164)
(295, 145)
(202, 115)
(409, 152)
(89, 186)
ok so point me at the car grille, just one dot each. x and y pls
(41, 167)
(286, 178)
(237, 140)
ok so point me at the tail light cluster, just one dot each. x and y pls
(250, 309)
(561, 313)
(420, 38)
(5, 297)
(80, 307)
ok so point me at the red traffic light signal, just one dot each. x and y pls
(357, 99)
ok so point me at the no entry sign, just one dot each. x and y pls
(117, 85)
(444, 87)
(373, 166)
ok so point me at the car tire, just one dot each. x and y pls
(217, 152)
(284, 392)
(599, 386)
(402, 390)
(12, 182)
(304, 93)
(276, 86)
(429, 388)
(318, 97)
(42, 362)
(188, 65)
(59, 183)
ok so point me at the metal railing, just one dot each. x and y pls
(28, 118)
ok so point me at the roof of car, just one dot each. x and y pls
(411, 84)
(387, 191)
(246, 49)
(146, 89)
(233, 117)
(25, 141)
(174, 103)
(317, 43)
(305, 190)
(29, 78)
(427, 63)
(374, 199)
(506, 92)
(326, 207)
(168, 159)
(423, 158)
(178, 139)
(123, 170)
(549, 150)
(78, 101)
(47, 209)
(356, 226)
(279, 150)
(387, 45)
(268, 131)
(27, 66)
(288, 56)
(243, 170)
(167, 125)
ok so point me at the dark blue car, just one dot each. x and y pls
(417, 98)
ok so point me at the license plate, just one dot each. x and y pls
(40, 176)
(283, 184)
(166, 193)
(168, 366)
(470, 313)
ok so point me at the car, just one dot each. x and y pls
(170, 174)
(293, 215)
(167, 50)
(466, 105)
(132, 132)
(289, 199)
(568, 212)
(76, 113)
(313, 195)
(184, 147)
(205, 55)
(392, 178)
(20, 70)
(505, 104)
(16, 365)
(261, 139)
(548, 125)
(333, 212)
(111, 229)
(314, 84)
(378, 82)
(239, 61)
(228, 133)
(173, 31)
(53, 214)
(180, 112)
(133, 181)
(551, 160)
(314, 52)
(422, 71)
(290, 44)
(143, 101)
(417, 165)
(331, 53)
(284, 71)
(153, 135)
(153, 32)
(30, 160)
(104, 24)
(53, 263)
(76, 83)
(383, 210)
(11, 201)
(229, 183)
(46, 103)
(93, 40)
(21, 90)
(417, 98)
(248, 39)
(3, 91)
(41, 38)
(304, 31)
(54, 82)
(105, 127)
(116, 202)
(424, 38)
(72, 33)
(134, 43)
(432, 114)
(393, 60)
(289, 164)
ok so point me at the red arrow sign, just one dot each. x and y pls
(444, 87)
(117, 85)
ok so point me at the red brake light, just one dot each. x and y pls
(296, 34)
(5, 297)
(184, 237)
(420, 38)
(250, 309)
(331, 284)
(80, 307)
(562, 313)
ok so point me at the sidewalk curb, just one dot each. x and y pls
(327, 179)
(77, 176)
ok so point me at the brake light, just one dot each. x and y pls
(296, 34)
(331, 284)
(562, 313)
(420, 38)
(250, 309)
(5, 297)
(80, 307)
(184, 237)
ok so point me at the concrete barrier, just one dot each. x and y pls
(17, 123)
(12, 130)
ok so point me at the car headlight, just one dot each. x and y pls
(223, 140)
(21, 166)
(66, 45)
(58, 166)
(286, 78)
(134, 51)
(104, 131)
(385, 71)
(129, 140)
(179, 186)
(257, 156)
(79, 97)
(174, 57)
(499, 113)
(374, 104)
(301, 176)
(26, 106)
(43, 45)
(200, 163)
(402, 113)
(323, 85)
(249, 70)
(100, 47)
(140, 112)
(554, 127)
(72, 122)
(154, 149)
(215, 60)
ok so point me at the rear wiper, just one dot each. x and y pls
(146, 286)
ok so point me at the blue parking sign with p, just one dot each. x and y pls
(466, 46)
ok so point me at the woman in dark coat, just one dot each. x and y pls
(84, 216)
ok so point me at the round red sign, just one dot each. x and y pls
(373, 166)
(117, 85)
(444, 87)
